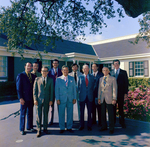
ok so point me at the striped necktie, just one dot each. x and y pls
(105, 81)
(29, 76)
(66, 81)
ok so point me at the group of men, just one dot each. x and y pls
(97, 91)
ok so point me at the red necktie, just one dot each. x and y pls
(86, 80)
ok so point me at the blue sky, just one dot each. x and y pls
(127, 26)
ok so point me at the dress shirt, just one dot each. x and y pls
(95, 73)
(45, 79)
(118, 71)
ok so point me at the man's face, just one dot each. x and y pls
(85, 70)
(44, 72)
(65, 71)
(28, 67)
(94, 68)
(105, 71)
(116, 65)
(35, 67)
(74, 68)
(55, 64)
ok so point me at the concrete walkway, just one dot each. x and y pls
(136, 134)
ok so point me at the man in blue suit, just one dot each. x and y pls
(85, 89)
(97, 75)
(65, 92)
(54, 73)
(24, 85)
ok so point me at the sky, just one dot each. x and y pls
(127, 26)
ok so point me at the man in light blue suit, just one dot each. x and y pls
(85, 89)
(65, 92)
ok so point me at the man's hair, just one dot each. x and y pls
(105, 67)
(56, 60)
(27, 62)
(35, 63)
(85, 65)
(74, 64)
(95, 64)
(116, 60)
(65, 66)
(45, 67)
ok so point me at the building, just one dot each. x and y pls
(135, 59)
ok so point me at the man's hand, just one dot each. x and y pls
(50, 103)
(22, 101)
(113, 102)
(74, 101)
(99, 101)
(125, 96)
(58, 102)
(36, 103)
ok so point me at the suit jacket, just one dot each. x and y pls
(96, 84)
(65, 93)
(122, 83)
(38, 74)
(51, 74)
(82, 88)
(109, 91)
(24, 87)
(78, 74)
(41, 93)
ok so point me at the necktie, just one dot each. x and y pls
(86, 80)
(29, 76)
(105, 81)
(44, 82)
(116, 75)
(75, 76)
(94, 74)
(66, 81)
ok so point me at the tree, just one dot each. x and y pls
(24, 24)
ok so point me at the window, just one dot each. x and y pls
(138, 68)
(46, 63)
(3, 66)
(109, 65)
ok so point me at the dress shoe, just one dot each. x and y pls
(62, 131)
(51, 123)
(111, 131)
(123, 126)
(38, 134)
(22, 133)
(102, 129)
(89, 129)
(70, 130)
(46, 131)
(81, 128)
(32, 130)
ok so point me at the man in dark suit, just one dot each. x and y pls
(85, 86)
(54, 73)
(122, 84)
(97, 75)
(43, 98)
(24, 85)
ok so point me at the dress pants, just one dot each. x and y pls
(94, 108)
(26, 108)
(110, 109)
(45, 107)
(89, 109)
(62, 108)
(52, 112)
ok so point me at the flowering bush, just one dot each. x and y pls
(137, 104)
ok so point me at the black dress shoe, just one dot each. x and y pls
(123, 126)
(51, 123)
(38, 134)
(111, 131)
(89, 129)
(62, 131)
(46, 131)
(102, 129)
(22, 133)
(70, 130)
(81, 128)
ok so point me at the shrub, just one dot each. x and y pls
(137, 104)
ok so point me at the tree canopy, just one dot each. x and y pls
(25, 21)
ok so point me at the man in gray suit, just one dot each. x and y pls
(75, 73)
(43, 98)
(107, 96)
(65, 92)
(85, 89)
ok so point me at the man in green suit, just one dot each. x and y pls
(43, 98)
